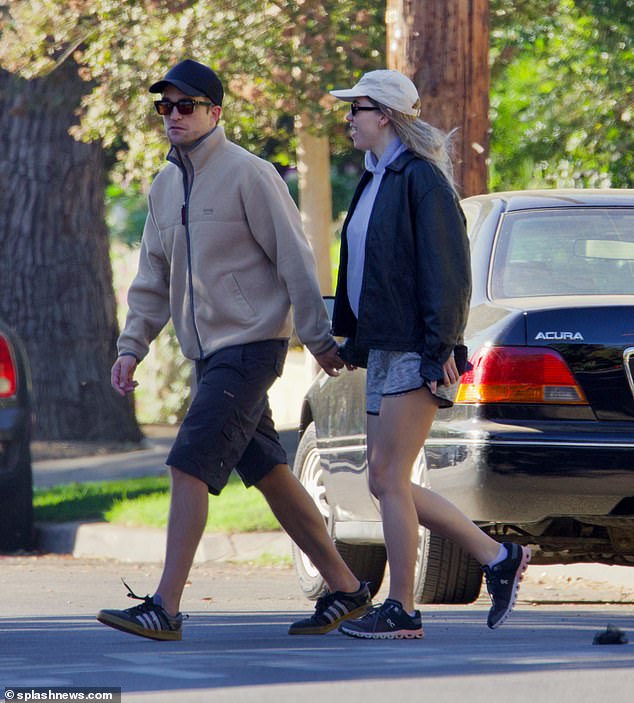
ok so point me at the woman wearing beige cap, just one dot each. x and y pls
(402, 300)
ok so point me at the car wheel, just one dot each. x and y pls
(307, 468)
(367, 562)
(445, 573)
(16, 506)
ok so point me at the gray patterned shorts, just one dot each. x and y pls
(393, 373)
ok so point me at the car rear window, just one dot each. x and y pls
(568, 251)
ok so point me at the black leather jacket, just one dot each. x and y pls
(417, 277)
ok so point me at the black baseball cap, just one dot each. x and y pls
(192, 78)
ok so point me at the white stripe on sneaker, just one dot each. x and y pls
(335, 611)
(156, 620)
(146, 621)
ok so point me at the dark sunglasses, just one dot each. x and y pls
(184, 106)
(357, 108)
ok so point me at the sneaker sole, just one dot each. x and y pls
(398, 635)
(325, 629)
(133, 629)
(519, 575)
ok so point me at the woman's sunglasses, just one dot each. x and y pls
(357, 108)
(184, 106)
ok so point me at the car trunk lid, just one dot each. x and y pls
(597, 343)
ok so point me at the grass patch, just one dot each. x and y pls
(144, 502)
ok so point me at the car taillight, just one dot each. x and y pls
(519, 375)
(7, 370)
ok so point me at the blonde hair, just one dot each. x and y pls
(423, 139)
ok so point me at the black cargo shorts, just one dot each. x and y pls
(229, 424)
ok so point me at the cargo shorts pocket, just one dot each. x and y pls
(263, 362)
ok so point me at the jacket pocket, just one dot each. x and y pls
(238, 298)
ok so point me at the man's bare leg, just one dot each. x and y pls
(189, 506)
(298, 515)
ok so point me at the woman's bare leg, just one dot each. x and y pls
(395, 437)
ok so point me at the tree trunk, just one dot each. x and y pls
(315, 197)
(55, 275)
(443, 47)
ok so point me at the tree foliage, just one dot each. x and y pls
(277, 58)
(562, 74)
(562, 93)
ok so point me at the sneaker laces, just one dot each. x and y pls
(372, 613)
(324, 602)
(148, 603)
(493, 584)
(489, 580)
(493, 578)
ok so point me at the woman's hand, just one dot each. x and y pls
(450, 371)
(450, 374)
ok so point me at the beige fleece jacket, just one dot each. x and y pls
(223, 253)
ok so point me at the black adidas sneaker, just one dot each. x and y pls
(332, 609)
(148, 619)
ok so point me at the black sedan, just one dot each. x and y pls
(16, 502)
(539, 446)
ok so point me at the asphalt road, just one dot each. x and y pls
(235, 646)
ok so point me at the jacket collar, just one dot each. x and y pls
(398, 165)
(401, 161)
(201, 151)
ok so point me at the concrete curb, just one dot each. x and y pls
(145, 544)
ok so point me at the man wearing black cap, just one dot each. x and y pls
(223, 254)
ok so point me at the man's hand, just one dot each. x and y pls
(330, 361)
(121, 376)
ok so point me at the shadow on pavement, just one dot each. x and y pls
(230, 649)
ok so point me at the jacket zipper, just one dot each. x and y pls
(188, 187)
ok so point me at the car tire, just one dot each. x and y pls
(367, 562)
(444, 572)
(307, 468)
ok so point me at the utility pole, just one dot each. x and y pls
(443, 46)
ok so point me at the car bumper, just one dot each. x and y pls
(527, 475)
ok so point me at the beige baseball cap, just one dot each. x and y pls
(388, 87)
